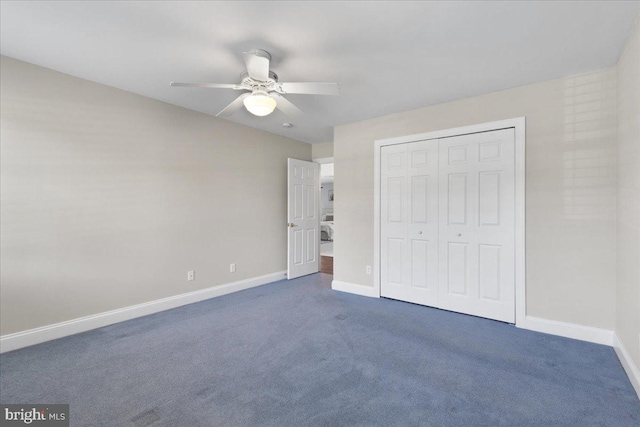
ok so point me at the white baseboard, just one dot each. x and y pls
(627, 363)
(590, 334)
(58, 330)
(352, 288)
(568, 330)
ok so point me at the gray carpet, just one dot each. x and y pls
(297, 353)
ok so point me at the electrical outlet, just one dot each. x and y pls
(368, 269)
(232, 268)
(191, 275)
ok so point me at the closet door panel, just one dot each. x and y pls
(477, 237)
(409, 222)
(423, 221)
(394, 216)
(448, 223)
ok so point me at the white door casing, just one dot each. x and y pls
(477, 226)
(303, 219)
(409, 214)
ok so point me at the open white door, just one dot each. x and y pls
(303, 219)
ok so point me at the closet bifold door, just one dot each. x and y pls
(477, 224)
(409, 222)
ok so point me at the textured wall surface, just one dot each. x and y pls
(109, 198)
(320, 151)
(628, 296)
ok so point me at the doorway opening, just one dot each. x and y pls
(327, 231)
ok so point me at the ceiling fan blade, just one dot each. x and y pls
(257, 62)
(208, 85)
(284, 105)
(235, 105)
(310, 88)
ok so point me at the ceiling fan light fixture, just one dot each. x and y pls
(265, 89)
(260, 104)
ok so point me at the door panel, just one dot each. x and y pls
(396, 261)
(419, 199)
(298, 200)
(311, 245)
(423, 222)
(303, 222)
(457, 268)
(489, 200)
(477, 197)
(420, 268)
(298, 247)
(457, 155)
(395, 195)
(409, 222)
(457, 200)
(489, 273)
(312, 208)
(394, 216)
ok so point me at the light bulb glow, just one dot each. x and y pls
(260, 104)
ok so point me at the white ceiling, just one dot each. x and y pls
(387, 56)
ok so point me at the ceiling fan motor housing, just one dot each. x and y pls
(252, 84)
(261, 53)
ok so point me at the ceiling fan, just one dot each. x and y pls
(265, 89)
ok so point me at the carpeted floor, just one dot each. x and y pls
(297, 353)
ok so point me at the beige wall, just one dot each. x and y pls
(570, 189)
(109, 198)
(321, 151)
(628, 296)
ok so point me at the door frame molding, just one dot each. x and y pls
(323, 160)
(518, 124)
